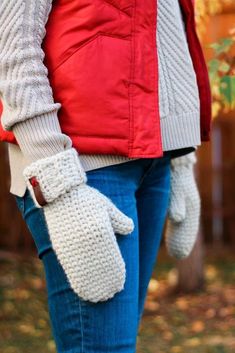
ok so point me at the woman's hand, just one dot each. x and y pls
(184, 210)
(82, 224)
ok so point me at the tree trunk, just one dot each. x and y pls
(190, 270)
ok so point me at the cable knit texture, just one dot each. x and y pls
(24, 84)
(179, 98)
(176, 68)
(184, 210)
(82, 224)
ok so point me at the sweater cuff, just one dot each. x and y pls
(41, 137)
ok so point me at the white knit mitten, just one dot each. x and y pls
(184, 209)
(82, 224)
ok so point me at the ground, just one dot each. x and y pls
(173, 323)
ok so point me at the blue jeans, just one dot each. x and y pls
(140, 189)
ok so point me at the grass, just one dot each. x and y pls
(200, 323)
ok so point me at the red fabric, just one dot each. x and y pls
(33, 181)
(5, 135)
(102, 63)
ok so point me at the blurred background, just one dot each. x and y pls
(191, 303)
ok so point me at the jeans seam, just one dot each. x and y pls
(146, 173)
(42, 219)
(20, 204)
(82, 337)
(154, 162)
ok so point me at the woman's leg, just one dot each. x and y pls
(79, 326)
(152, 203)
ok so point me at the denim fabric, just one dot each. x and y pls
(140, 189)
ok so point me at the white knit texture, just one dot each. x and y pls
(57, 174)
(82, 224)
(178, 84)
(179, 101)
(184, 209)
(24, 86)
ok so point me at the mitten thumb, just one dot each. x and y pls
(181, 172)
(177, 207)
(120, 222)
(181, 237)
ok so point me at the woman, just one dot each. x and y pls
(100, 129)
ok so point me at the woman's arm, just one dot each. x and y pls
(28, 105)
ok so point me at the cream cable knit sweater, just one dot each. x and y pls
(29, 108)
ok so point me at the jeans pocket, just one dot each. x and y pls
(36, 223)
(20, 203)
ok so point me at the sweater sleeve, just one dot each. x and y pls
(28, 105)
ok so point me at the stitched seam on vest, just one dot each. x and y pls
(87, 42)
(155, 80)
(116, 8)
(98, 137)
(132, 72)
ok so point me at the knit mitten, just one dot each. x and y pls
(82, 224)
(184, 209)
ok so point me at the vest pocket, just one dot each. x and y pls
(92, 86)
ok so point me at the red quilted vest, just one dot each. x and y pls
(102, 62)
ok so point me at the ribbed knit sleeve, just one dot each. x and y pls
(28, 105)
